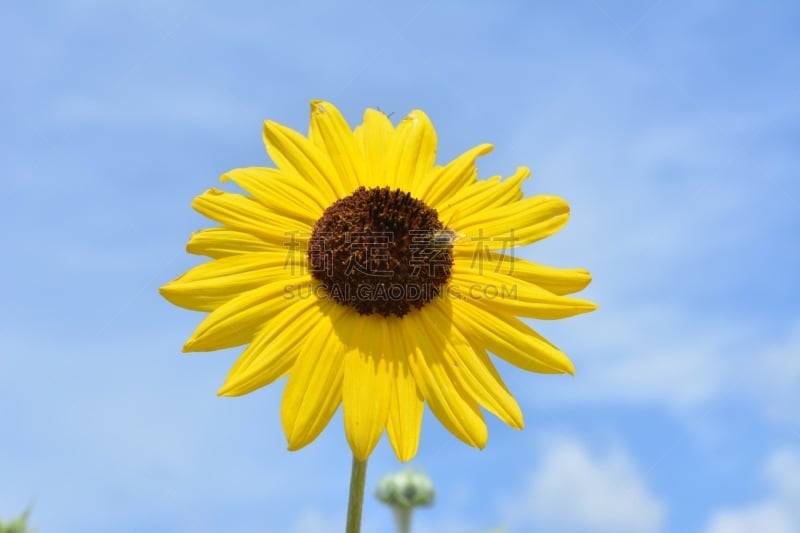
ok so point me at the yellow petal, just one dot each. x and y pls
(236, 322)
(274, 350)
(245, 214)
(339, 143)
(367, 384)
(510, 339)
(286, 194)
(515, 224)
(556, 280)
(207, 286)
(452, 177)
(448, 400)
(508, 190)
(484, 194)
(412, 154)
(495, 395)
(459, 203)
(513, 296)
(374, 136)
(224, 242)
(474, 370)
(314, 135)
(294, 153)
(314, 389)
(405, 405)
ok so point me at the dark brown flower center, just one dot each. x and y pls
(381, 251)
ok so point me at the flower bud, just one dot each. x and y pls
(406, 489)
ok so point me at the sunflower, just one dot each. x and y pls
(374, 278)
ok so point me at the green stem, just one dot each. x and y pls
(358, 475)
(402, 518)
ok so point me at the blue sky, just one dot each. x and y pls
(671, 127)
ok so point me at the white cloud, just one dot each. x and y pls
(661, 356)
(772, 376)
(643, 355)
(575, 490)
(779, 512)
(313, 521)
(763, 517)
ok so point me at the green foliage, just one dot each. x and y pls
(18, 525)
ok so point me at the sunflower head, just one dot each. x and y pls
(377, 280)
(381, 238)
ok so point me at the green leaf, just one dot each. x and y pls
(18, 525)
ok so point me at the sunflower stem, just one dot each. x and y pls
(358, 476)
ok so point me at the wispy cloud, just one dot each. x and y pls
(575, 489)
(778, 511)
